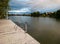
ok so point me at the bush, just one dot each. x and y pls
(3, 8)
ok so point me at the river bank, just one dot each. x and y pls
(10, 33)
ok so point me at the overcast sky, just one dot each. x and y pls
(34, 5)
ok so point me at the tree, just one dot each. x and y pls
(58, 14)
(4, 5)
(35, 14)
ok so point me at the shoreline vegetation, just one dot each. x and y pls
(4, 6)
(55, 14)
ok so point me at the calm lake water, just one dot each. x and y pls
(45, 30)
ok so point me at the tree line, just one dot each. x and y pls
(4, 6)
(55, 14)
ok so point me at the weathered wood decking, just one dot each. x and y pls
(10, 33)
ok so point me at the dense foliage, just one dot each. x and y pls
(36, 14)
(4, 5)
(55, 14)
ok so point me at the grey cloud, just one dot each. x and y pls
(37, 5)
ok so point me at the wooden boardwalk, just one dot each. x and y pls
(10, 33)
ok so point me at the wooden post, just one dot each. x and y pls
(26, 27)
